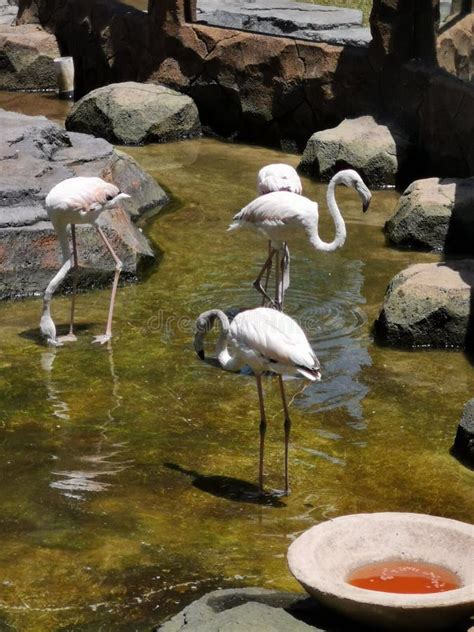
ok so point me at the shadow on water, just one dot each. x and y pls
(234, 489)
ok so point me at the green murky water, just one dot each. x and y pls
(128, 472)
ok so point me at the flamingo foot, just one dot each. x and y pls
(70, 337)
(101, 339)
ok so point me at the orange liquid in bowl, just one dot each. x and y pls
(406, 577)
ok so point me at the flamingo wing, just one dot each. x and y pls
(278, 177)
(273, 335)
(81, 194)
(279, 208)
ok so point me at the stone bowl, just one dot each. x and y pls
(322, 558)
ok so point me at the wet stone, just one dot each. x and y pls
(464, 442)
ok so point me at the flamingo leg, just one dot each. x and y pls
(269, 270)
(258, 281)
(71, 337)
(278, 303)
(287, 427)
(262, 428)
(118, 267)
(285, 271)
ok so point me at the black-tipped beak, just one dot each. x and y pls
(365, 206)
(201, 354)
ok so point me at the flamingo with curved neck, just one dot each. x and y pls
(265, 340)
(281, 216)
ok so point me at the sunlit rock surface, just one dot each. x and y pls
(455, 48)
(36, 154)
(8, 12)
(133, 113)
(27, 53)
(437, 214)
(377, 151)
(245, 609)
(429, 304)
(282, 17)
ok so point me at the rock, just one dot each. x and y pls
(464, 442)
(377, 151)
(134, 113)
(429, 305)
(436, 214)
(455, 49)
(244, 610)
(27, 53)
(8, 12)
(287, 18)
(36, 154)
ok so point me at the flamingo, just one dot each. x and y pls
(265, 340)
(281, 215)
(78, 200)
(278, 177)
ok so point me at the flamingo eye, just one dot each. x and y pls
(109, 197)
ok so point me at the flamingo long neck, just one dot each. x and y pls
(61, 230)
(227, 361)
(340, 236)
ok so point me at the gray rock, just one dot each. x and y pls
(464, 442)
(287, 18)
(429, 305)
(36, 154)
(242, 610)
(377, 151)
(435, 214)
(27, 53)
(132, 113)
(8, 12)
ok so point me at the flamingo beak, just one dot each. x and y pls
(201, 354)
(365, 205)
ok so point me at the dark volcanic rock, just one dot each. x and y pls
(429, 305)
(435, 214)
(377, 151)
(36, 154)
(464, 442)
(132, 113)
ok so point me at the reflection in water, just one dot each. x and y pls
(101, 463)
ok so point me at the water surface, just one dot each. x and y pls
(128, 471)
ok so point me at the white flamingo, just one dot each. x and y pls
(74, 201)
(281, 216)
(265, 340)
(278, 177)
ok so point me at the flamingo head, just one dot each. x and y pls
(352, 179)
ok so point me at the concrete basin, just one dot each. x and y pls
(323, 557)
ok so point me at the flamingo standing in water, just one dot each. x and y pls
(265, 340)
(278, 177)
(281, 216)
(74, 201)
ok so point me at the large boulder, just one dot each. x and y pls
(133, 113)
(27, 56)
(36, 154)
(435, 214)
(376, 150)
(429, 305)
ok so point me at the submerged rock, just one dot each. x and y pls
(377, 151)
(27, 53)
(464, 442)
(133, 113)
(437, 214)
(36, 154)
(429, 305)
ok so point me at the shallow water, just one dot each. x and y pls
(128, 472)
